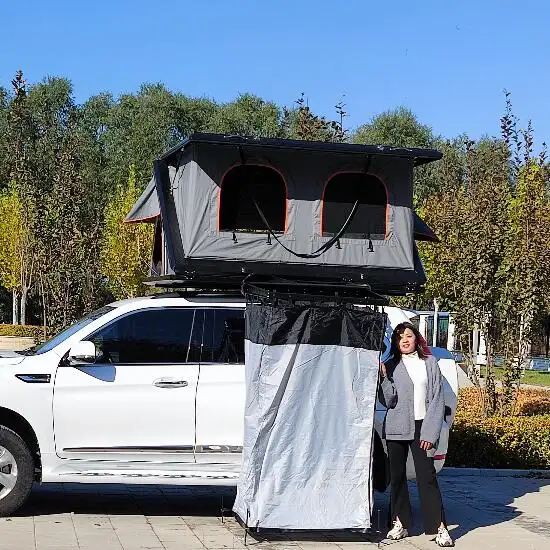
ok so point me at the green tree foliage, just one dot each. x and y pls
(396, 127)
(55, 164)
(468, 216)
(126, 248)
(12, 237)
(400, 128)
(140, 127)
(21, 165)
(523, 276)
(70, 282)
(248, 115)
(493, 218)
(4, 141)
(299, 122)
(445, 211)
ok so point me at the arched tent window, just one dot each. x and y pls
(341, 192)
(240, 187)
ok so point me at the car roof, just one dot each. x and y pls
(180, 300)
(395, 314)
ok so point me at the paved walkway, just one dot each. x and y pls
(483, 513)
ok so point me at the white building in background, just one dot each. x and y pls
(444, 335)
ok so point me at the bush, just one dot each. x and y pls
(500, 442)
(521, 440)
(529, 402)
(22, 331)
(531, 406)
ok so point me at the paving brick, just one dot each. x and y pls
(483, 512)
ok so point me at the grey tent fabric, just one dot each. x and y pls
(311, 380)
(146, 208)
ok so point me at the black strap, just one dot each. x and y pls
(323, 248)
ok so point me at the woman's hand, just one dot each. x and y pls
(426, 445)
(382, 369)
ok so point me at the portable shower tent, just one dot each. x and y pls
(229, 206)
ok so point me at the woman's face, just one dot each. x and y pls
(407, 342)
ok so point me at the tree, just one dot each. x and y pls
(12, 237)
(4, 142)
(523, 276)
(126, 248)
(70, 281)
(140, 127)
(396, 127)
(469, 215)
(445, 212)
(22, 139)
(248, 115)
(301, 123)
(400, 128)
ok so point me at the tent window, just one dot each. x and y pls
(237, 209)
(340, 195)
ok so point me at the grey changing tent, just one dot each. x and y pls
(311, 379)
(227, 207)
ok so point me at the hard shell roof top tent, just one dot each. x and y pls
(227, 207)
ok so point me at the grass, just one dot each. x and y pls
(535, 378)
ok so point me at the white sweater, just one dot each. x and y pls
(416, 369)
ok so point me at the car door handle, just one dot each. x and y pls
(170, 383)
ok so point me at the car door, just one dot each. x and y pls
(221, 387)
(137, 401)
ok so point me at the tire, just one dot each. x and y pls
(16, 457)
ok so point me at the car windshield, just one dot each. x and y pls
(62, 336)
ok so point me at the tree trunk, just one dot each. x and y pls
(490, 387)
(23, 310)
(15, 307)
(436, 323)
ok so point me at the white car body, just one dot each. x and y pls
(171, 423)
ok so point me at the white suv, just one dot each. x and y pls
(148, 390)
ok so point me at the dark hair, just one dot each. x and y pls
(396, 335)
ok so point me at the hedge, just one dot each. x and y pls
(22, 331)
(530, 401)
(500, 442)
(521, 440)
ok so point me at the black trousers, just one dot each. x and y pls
(426, 480)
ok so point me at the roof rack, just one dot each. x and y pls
(310, 291)
(192, 293)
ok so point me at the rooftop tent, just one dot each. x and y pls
(146, 208)
(233, 206)
(422, 232)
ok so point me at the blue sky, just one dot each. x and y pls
(448, 61)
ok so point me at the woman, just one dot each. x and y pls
(411, 389)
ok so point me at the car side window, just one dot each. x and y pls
(167, 335)
(223, 339)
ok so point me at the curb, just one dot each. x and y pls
(488, 472)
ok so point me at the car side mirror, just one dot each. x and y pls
(82, 352)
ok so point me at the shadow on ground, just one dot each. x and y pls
(474, 502)
(108, 499)
(470, 503)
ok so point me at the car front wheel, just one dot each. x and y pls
(16, 471)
